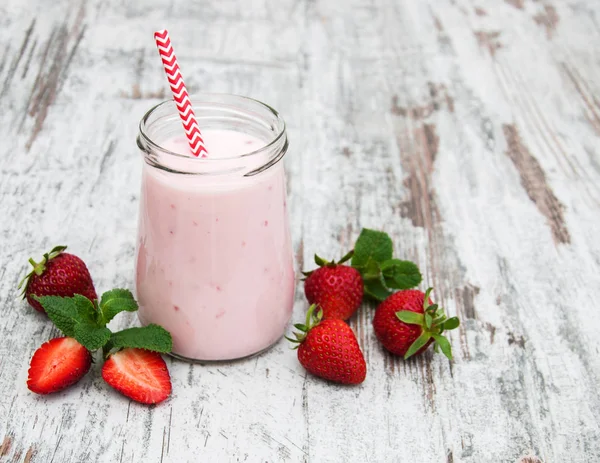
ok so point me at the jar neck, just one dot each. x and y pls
(214, 112)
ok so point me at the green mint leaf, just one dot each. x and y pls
(419, 342)
(151, 337)
(400, 274)
(76, 317)
(451, 323)
(444, 344)
(61, 311)
(114, 302)
(66, 312)
(86, 309)
(371, 244)
(412, 318)
(376, 290)
(371, 270)
(91, 335)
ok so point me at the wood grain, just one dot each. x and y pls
(466, 129)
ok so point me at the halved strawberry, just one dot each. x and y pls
(58, 364)
(139, 374)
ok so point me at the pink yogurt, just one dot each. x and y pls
(214, 257)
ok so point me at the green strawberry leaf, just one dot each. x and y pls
(419, 342)
(451, 323)
(91, 335)
(433, 309)
(320, 261)
(412, 318)
(400, 274)
(426, 298)
(371, 244)
(346, 258)
(151, 337)
(376, 290)
(116, 301)
(66, 312)
(444, 344)
(428, 321)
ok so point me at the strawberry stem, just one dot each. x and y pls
(39, 267)
(312, 320)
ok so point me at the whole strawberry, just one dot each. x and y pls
(328, 349)
(58, 274)
(337, 289)
(407, 322)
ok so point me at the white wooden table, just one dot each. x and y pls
(467, 129)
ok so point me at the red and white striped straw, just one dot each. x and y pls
(180, 94)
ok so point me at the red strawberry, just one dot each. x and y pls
(329, 349)
(58, 274)
(407, 322)
(58, 364)
(139, 374)
(337, 289)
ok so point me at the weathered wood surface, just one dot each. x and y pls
(467, 129)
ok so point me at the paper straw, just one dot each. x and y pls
(180, 94)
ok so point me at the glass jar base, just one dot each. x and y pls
(236, 359)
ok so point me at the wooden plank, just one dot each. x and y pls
(466, 129)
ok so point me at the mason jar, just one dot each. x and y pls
(214, 261)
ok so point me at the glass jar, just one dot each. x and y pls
(214, 262)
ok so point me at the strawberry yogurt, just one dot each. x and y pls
(214, 258)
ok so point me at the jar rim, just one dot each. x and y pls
(279, 134)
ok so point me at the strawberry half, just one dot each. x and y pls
(329, 349)
(58, 364)
(58, 274)
(139, 374)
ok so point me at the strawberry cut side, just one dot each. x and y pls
(58, 364)
(139, 374)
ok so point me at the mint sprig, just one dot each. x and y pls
(79, 318)
(373, 258)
